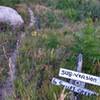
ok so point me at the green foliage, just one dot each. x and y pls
(7, 39)
(45, 67)
(88, 44)
(67, 4)
(9, 2)
(42, 54)
(51, 17)
(71, 14)
(52, 41)
(79, 9)
(87, 41)
(89, 9)
(50, 20)
(24, 92)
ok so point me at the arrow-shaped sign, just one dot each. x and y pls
(74, 88)
(79, 76)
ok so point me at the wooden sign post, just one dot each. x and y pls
(77, 80)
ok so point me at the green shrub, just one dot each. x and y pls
(52, 41)
(88, 44)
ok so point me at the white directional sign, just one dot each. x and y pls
(74, 88)
(79, 76)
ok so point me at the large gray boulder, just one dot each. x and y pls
(10, 17)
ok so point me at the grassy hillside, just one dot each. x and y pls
(67, 28)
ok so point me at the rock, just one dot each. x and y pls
(10, 17)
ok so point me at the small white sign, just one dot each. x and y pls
(79, 76)
(72, 87)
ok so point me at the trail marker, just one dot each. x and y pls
(73, 88)
(79, 76)
(77, 80)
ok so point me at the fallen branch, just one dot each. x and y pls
(32, 18)
(5, 54)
